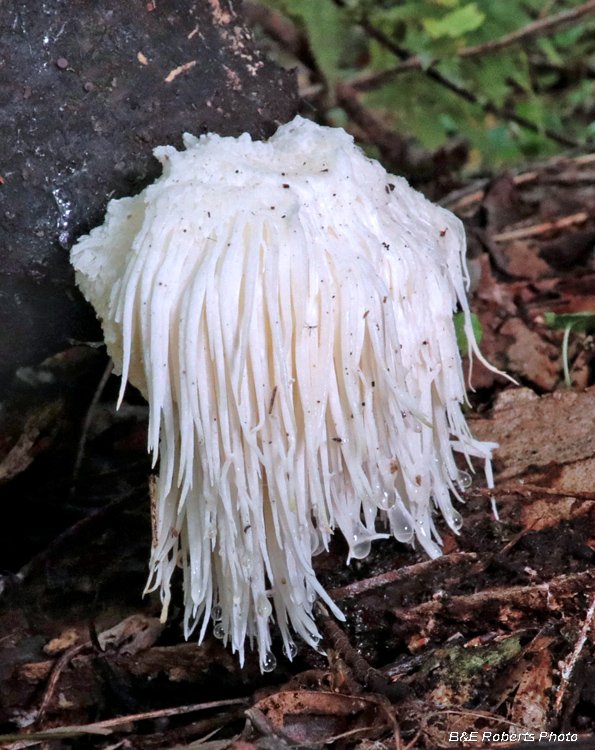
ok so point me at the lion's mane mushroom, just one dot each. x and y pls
(286, 308)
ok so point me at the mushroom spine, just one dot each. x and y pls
(286, 308)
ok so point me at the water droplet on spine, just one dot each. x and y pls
(263, 606)
(216, 613)
(387, 501)
(464, 480)
(456, 520)
(269, 662)
(290, 650)
(360, 548)
(219, 631)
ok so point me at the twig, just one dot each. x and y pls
(363, 672)
(87, 423)
(359, 587)
(57, 670)
(74, 530)
(411, 161)
(483, 715)
(568, 178)
(569, 664)
(517, 537)
(371, 81)
(535, 597)
(105, 727)
(177, 711)
(474, 193)
(363, 731)
(466, 196)
(537, 229)
(527, 490)
(464, 93)
(536, 29)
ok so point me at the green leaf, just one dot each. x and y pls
(583, 322)
(459, 321)
(326, 29)
(456, 23)
(447, 123)
(550, 51)
(446, 3)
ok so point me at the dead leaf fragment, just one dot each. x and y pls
(180, 69)
(534, 432)
(131, 636)
(41, 422)
(550, 511)
(531, 702)
(64, 641)
(530, 355)
(312, 718)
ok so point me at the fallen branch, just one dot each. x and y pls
(411, 161)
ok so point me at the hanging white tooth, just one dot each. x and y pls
(286, 308)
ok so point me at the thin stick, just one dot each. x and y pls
(464, 93)
(537, 229)
(75, 529)
(87, 423)
(569, 664)
(107, 726)
(177, 711)
(536, 29)
(59, 667)
(363, 672)
(359, 587)
(475, 192)
(530, 489)
(468, 195)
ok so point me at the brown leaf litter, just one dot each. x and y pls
(495, 637)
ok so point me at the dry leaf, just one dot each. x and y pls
(531, 702)
(134, 634)
(537, 432)
(313, 718)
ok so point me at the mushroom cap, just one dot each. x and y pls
(286, 308)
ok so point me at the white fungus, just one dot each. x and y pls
(287, 309)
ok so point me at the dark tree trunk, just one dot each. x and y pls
(87, 90)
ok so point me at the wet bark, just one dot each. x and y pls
(87, 90)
